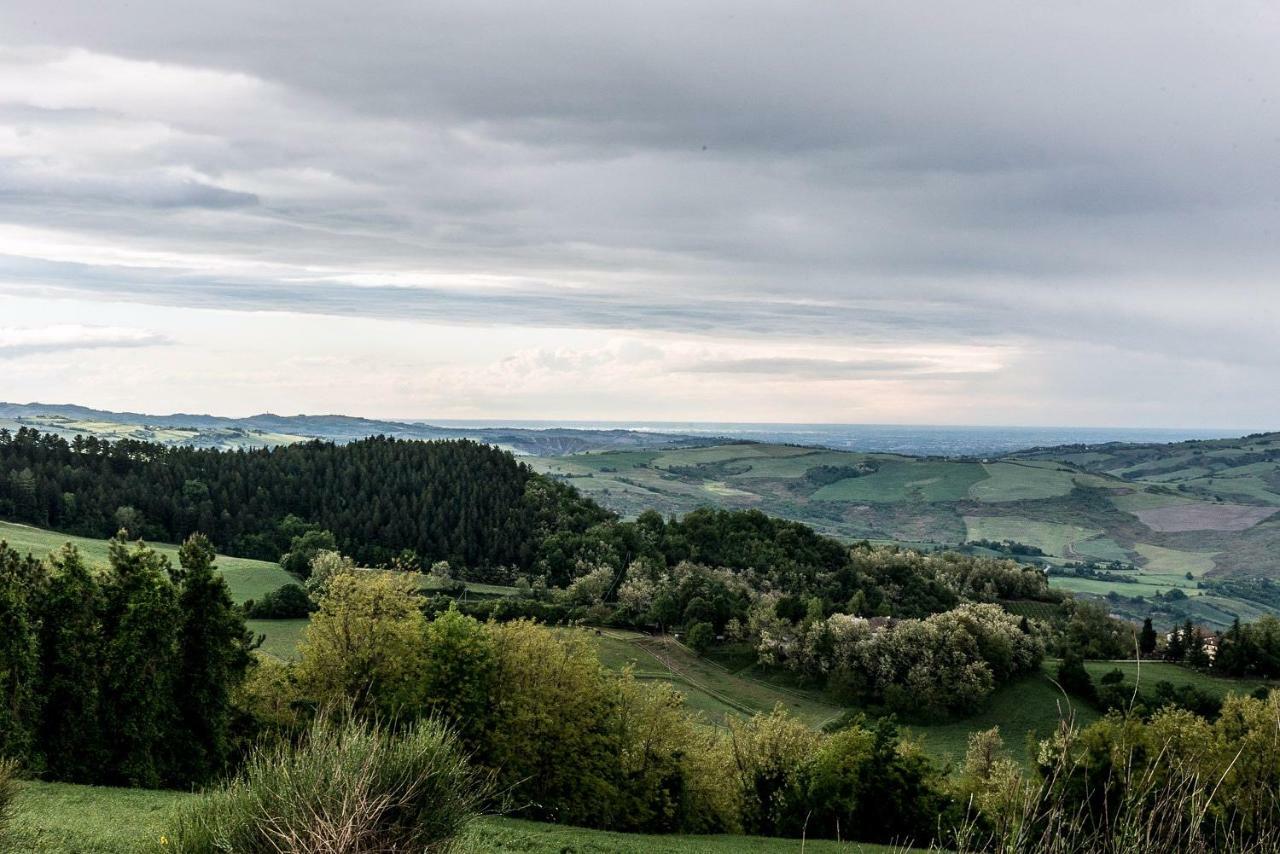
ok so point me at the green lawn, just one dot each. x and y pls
(248, 579)
(1033, 705)
(58, 818)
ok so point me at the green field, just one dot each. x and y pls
(248, 579)
(1052, 537)
(59, 818)
(907, 481)
(1150, 672)
(708, 687)
(1022, 482)
(281, 637)
(1033, 705)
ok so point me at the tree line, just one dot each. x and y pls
(380, 498)
(121, 675)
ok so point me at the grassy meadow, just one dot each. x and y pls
(248, 579)
(61, 818)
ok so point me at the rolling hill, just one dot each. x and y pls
(1176, 531)
(268, 430)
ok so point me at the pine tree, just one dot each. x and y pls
(140, 624)
(18, 654)
(214, 648)
(1147, 638)
(1176, 650)
(1196, 655)
(69, 733)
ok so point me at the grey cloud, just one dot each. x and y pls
(892, 172)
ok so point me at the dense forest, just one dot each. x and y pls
(459, 501)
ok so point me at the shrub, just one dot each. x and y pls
(348, 788)
(288, 603)
(701, 636)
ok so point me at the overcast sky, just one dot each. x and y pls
(938, 212)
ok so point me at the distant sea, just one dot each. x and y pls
(917, 440)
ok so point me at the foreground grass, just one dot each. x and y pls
(59, 818)
(511, 835)
(248, 579)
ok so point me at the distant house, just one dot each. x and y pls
(1210, 639)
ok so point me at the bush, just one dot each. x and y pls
(288, 603)
(349, 787)
(8, 790)
(701, 636)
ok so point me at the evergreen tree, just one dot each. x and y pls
(70, 734)
(141, 624)
(1147, 638)
(1176, 650)
(1233, 659)
(18, 653)
(214, 648)
(1196, 655)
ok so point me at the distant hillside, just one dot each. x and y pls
(1180, 530)
(268, 430)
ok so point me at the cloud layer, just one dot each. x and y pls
(984, 212)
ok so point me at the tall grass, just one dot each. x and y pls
(348, 788)
(8, 791)
(1154, 806)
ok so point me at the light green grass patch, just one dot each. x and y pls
(1141, 587)
(797, 465)
(248, 579)
(1247, 487)
(721, 489)
(724, 453)
(1022, 482)
(1161, 560)
(1101, 548)
(898, 481)
(281, 637)
(1131, 502)
(1052, 537)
